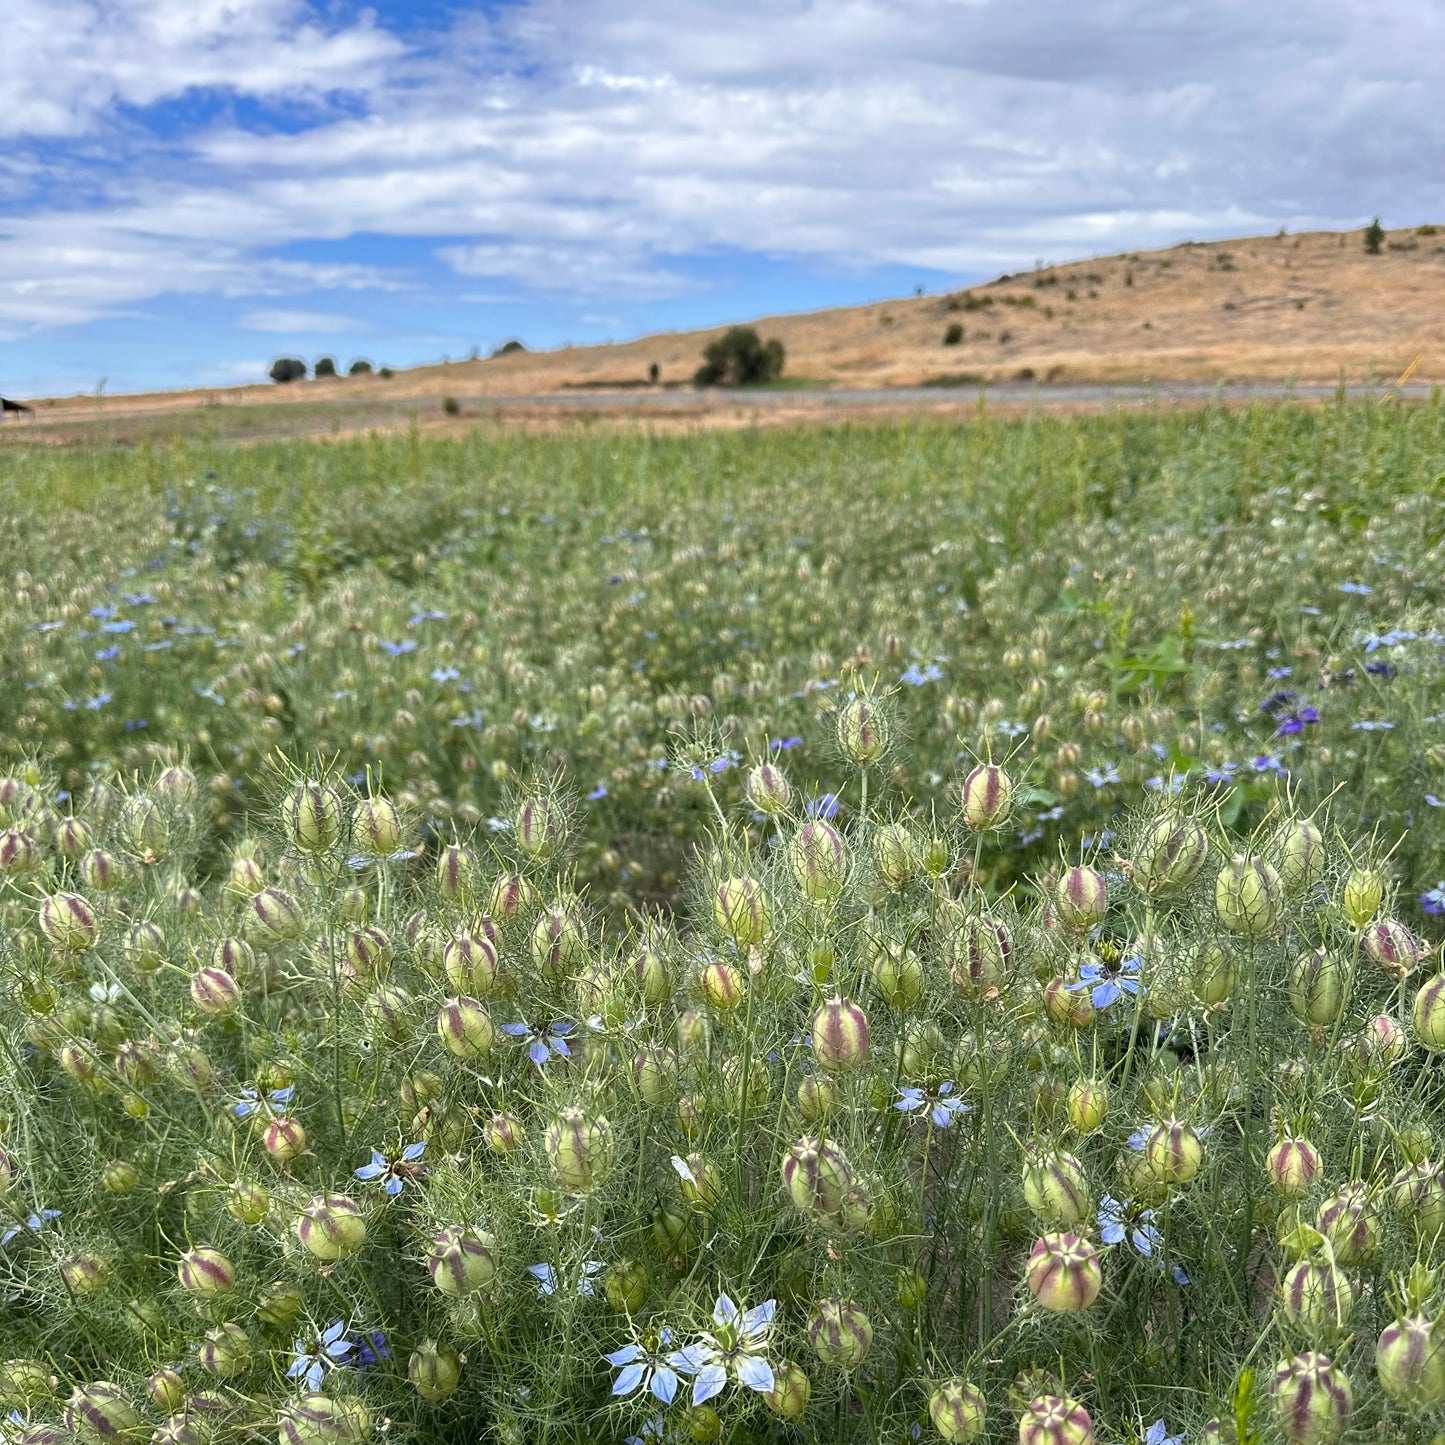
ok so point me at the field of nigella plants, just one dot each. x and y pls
(866, 935)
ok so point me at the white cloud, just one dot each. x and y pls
(297, 322)
(586, 147)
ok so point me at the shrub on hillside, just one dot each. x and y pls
(288, 368)
(326, 366)
(739, 357)
(953, 335)
(1374, 237)
(360, 367)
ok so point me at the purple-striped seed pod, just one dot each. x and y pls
(177, 783)
(958, 1411)
(214, 991)
(817, 1098)
(819, 860)
(24, 1383)
(1363, 894)
(1315, 1297)
(456, 874)
(897, 975)
(167, 1389)
(652, 975)
(1214, 974)
(434, 1372)
(462, 1261)
(470, 964)
(464, 1028)
(234, 956)
(281, 1306)
(312, 813)
(1428, 1014)
(68, 922)
(284, 1139)
(392, 1011)
(1056, 1188)
(376, 830)
(767, 789)
(1293, 1166)
(1390, 944)
(979, 957)
(894, 855)
(1069, 1008)
(79, 1059)
(987, 797)
(504, 1134)
(245, 878)
(74, 838)
(840, 1333)
(581, 1148)
(1063, 1273)
(1381, 1044)
(144, 827)
(206, 1273)
(1170, 856)
(740, 907)
(19, 853)
(248, 1202)
(1410, 1361)
(1081, 899)
(722, 986)
(512, 898)
(840, 1036)
(1351, 1224)
(100, 1411)
(101, 872)
(1317, 987)
(85, 1273)
(1312, 1400)
(331, 1227)
(145, 947)
(1297, 849)
(136, 1064)
(1417, 1195)
(1173, 1152)
(226, 1351)
(791, 1391)
(181, 1429)
(817, 1176)
(559, 943)
(1055, 1420)
(1087, 1105)
(1249, 897)
(323, 1420)
(540, 828)
(654, 1071)
(862, 731)
(277, 915)
(368, 950)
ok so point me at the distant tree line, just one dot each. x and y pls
(292, 368)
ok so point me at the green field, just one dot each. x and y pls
(1053, 1052)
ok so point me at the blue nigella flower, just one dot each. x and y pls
(1107, 985)
(637, 1367)
(940, 1105)
(309, 1362)
(406, 1165)
(916, 676)
(545, 1039)
(600, 791)
(824, 806)
(396, 649)
(546, 1277)
(1118, 1223)
(1102, 777)
(732, 1348)
(370, 1349)
(250, 1101)
(33, 1222)
(1296, 720)
(1158, 1434)
(782, 745)
(1433, 900)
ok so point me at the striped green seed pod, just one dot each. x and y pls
(1173, 1152)
(100, 1411)
(1363, 895)
(226, 1351)
(1297, 849)
(312, 814)
(1055, 1420)
(1417, 1195)
(978, 957)
(1081, 899)
(581, 1148)
(958, 1411)
(540, 828)
(1249, 897)
(331, 1227)
(19, 853)
(376, 829)
(24, 1383)
(1056, 1188)
(894, 855)
(840, 1036)
(85, 1273)
(740, 906)
(470, 964)
(277, 916)
(323, 1420)
(284, 1139)
(69, 922)
(434, 1372)
(1170, 856)
(1428, 1014)
(512, 898)
(1351, 1223)
(281, 1306)
(559, 943)
(167, 1389)
(1388, 943)
(462, 1261)
(1317, 987)
(1315, 1297)
(100, 871)
(464, 1028)
(791, 1391)
(1293, 1166)
(456, 874)
(840, 1333)
(392, 1011)
(1312, 1400)
(1063, 1273)
(1410, 1362)
(819, 860)
(767, 789)
(817, 1176)
(206, 1273)
(862, 732)
(987, 798)
(1087, 1105)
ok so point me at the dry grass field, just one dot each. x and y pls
(1263, 309)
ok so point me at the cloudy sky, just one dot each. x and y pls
(189, 188)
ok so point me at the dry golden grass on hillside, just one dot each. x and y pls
(1260, 309)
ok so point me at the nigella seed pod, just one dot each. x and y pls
(652, 976)
(539, 827)
(1363, 895)
(85, 1273)
(68, 922)
(558, 944)
(1350, 1223)
(322, 1420)
(144, 827)
(1173, 1152)
(284, 1140)
(181, 1429)
(119, 1176)
(1055, 1420)
(840, 1333)
(24, 1383)
(654, 1071)
(817, 1177)
(893, 855)
(862, 732)
(234, 956)
(1063, 1273)
(840, 1036)
(768, 790)
(897, 975)
(1293, 1166)
(376, 830)
(1315, 1297)
(722, 986)
(958, 1411)
(1081, 899)
(1381, 1044)
(1170, 856)
(504, 1134)
(792, 1389)
(1410, 1361)
(226, 1351)
(368, 950)
(987, 798)
(247, 1202)
(740, 907)
(1297, 849)
(145, 947)
(331, 1227)
(1088, 1105)
(73, 838)
(1317, 986)
(704, 1188)
(1390, 944)
(1312, 1400)
(19, 854)
(470, 964)
(167, 1389)
(456, 874)
(512, 898)
(434, 1372)
(245, 879)
(1249, 896)
(277, 915)
(312, 814)
(979, 957)
(1069, 1008)
(819, 860)
(626, 1286)
(1056, 1188)
(214, 991)
(206, 1273)
(100, 1411)
(101, 871)
(391, 1010)
(1417, 1195)
(817, 1098)
(1214, 975)
(462, 1261)
(281, 1306)
(582, 1149)
(464, 1028)
(1428, 1014)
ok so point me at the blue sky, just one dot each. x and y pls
(189, 188)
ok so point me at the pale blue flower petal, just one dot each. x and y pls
(630, 1378)
(711, 1380)
(755, 1372)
